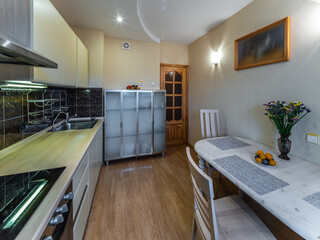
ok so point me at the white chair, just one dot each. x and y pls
(210, 128)
(225, 218)
(210, 125)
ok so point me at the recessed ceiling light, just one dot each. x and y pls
(119, 19)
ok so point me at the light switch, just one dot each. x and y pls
(312, 138)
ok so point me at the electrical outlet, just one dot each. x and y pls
(139, 83)
(312, 138)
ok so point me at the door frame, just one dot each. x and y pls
(186, 117)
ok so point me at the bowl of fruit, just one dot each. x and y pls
(265, 159)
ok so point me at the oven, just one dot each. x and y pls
(61, 223)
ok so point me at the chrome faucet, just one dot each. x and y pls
(67, 119)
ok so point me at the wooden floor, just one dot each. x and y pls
(151, 198)
(146, 198)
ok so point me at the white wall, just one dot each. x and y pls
(173, 53)
(239, 95)
(125, 67)
(94, 41)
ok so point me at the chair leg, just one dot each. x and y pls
(240, 194)
(194, 229)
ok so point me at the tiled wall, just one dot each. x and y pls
(85, 102)
(13, 111)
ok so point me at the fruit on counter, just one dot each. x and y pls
(265, 158)
(269, 156)
(260, 152)
(272, 162)
(262, 156)
(133, 87)
(259, 160)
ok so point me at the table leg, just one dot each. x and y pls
(202, 164)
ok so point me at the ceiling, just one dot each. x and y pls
(177, 21)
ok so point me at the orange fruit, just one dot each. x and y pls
(262, 156)
(272, 163)
(259, 160)
(260, 152)
(269, 156)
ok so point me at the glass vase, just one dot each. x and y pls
(284, 145)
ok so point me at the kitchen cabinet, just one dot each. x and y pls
(69, 61)
(47, 40)
(54, 38)
(135, 123)
(37, 24)
(82, 65)
(95, 162)
(84, 183)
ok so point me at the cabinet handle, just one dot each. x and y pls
(47, 238)
(62, 209)
(56, 220)
(68, 196)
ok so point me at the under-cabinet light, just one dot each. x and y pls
(21, 84)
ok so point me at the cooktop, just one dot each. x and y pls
(20, 195)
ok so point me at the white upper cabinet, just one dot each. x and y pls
(69, 61)
(82, 65)
(54, 38)
(47, 40)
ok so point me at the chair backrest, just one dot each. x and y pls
(202, 185)
(210, 125)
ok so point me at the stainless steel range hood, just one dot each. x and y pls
(12, 53)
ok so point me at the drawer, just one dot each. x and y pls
(81, 221)
(80, 171)
(78, 193)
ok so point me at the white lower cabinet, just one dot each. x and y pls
(95, 162)
(84, 184)
(81, 221)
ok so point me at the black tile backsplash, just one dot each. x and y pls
(83, 97)
(85, 102)
(13, 131)
(14, 113)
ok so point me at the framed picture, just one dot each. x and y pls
(264, 46)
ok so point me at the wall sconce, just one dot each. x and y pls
(215, 57)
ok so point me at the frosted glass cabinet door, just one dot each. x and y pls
(145, 123)
(129, 123)
(112, 125)
(159, 104)
(113, 101)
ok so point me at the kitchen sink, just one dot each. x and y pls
(76, 125)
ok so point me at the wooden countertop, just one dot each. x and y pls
(43, 151)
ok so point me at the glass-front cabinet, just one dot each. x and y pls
(112, 130)
(135, 123)
(159, 108)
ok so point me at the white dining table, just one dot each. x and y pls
(290, 191)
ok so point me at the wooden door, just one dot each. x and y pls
(174, 79)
